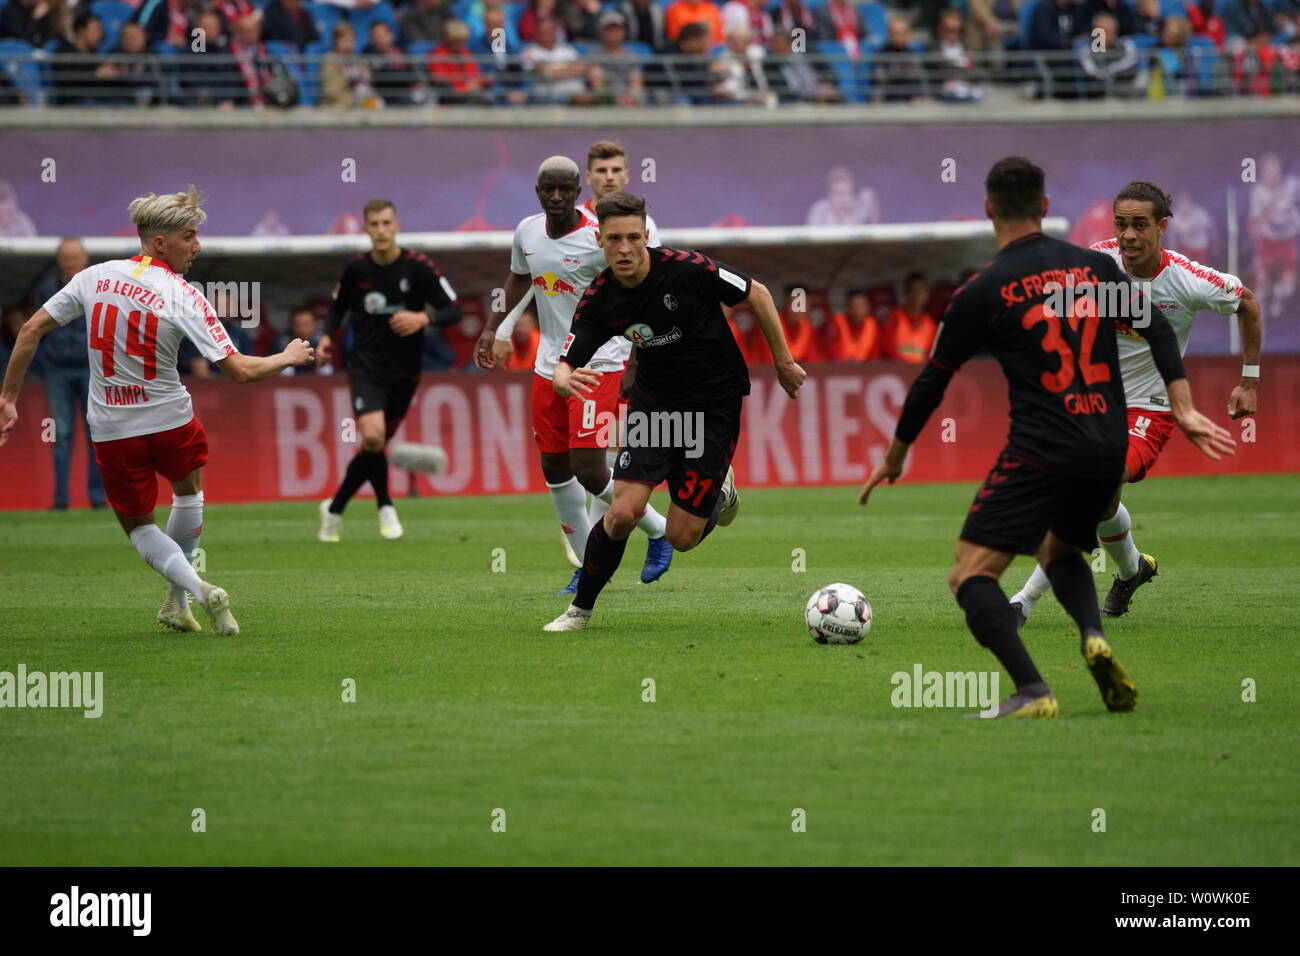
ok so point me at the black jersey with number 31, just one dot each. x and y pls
(1067, 399)
(686, 354)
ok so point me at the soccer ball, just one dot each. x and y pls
(838, 614)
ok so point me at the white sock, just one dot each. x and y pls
(166, 557)
(1037, 585)
(600, 503)
(1118, 542)
(570, 500)
(185, 527)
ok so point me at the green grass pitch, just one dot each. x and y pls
(464, 706)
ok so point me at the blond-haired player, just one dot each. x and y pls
(142, 422)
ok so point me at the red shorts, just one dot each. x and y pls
(1147, 433)
(579, 421)
(130, 465)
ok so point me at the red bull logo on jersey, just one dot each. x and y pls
(552, 285)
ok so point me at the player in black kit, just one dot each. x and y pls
(389, 293)
(683, 417)
(1065, 455)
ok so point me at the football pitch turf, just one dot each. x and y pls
(464, 708)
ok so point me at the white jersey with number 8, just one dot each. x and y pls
(137, 312)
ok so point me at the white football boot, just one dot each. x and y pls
(574, 619)
(179, 618)
(732, 499)
(330, 523)
(389, 526)
(217, 603)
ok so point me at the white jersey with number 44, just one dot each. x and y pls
(1180, 289)
(560, 271)
(137, 312)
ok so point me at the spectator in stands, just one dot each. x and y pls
(682, 12)
(345, 79)
(1206, 23)
(992, 25)
(505, 73)
(10, 94)
(303, 324)
(62, 356)
(1054, 25)
(582, 20)
(790, 77)
(898, 75)
(623, 82)
(854, 334)
(232, 11)
(738, 70)
(911, 330)
(751, 14)
(1114, 69)
(791, 15)
(537, 11)
(559, 75)
(138, 79)
(1286, 13)
(424, 20)
(1253, 65)
(456, 78)
(287, 21)
(251, 57)
(839, 22)
(956, 75)
(207, 77)
(391, 73)
(1247, 19)
(1148, 21)
(165, 21)
(686, 75)
(76, 83)
(645, 23)
(799, 330)
(1121, 10)
(36, 21)
(1178, 77)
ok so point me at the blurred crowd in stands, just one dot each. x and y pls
(360, 53)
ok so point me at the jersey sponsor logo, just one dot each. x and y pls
(552, 285)
(670, 302)
(643, 337)
(732, 278)
(374, 302)
(404, 284)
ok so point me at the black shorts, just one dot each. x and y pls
(370, 393)
(1020, 502)
(692, 450)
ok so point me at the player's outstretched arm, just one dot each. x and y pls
(788, 372)
(253, 368)
(29, 336)
(1245, 397)
(1213, 440)
(888, 470)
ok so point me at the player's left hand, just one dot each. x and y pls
(407, 322)
(1244, 401)
(791, 377)
(1213, 440)
(8, 418)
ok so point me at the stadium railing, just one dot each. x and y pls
(290, 78)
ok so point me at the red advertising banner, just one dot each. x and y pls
(290, 438)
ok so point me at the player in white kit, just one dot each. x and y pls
(141, 420)
(1179, 288)
(555, 253)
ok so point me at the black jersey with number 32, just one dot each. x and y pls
(1067, 399)
(371, 294)
(686, 353)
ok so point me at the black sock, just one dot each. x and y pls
(598, 566)
(1073, 586)
(379, 477)
(713, 518)
(358, 474)
(993, 622)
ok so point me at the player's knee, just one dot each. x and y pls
(621, 519)
(593, 476)
(683, 539)
(372, 442)
(957, 576)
